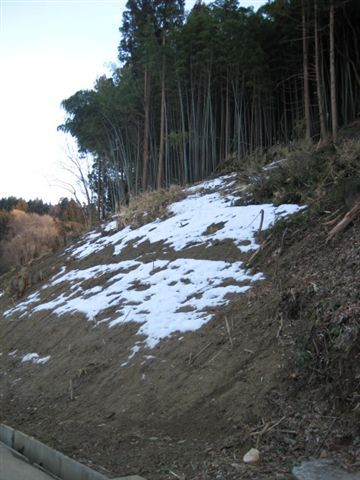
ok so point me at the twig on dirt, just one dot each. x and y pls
(280, 326)
(181, 477)
(260, 433)
(316, 415)
(213, 358)
(290, 432)
(229, 332)
(193, 358)
(325, 437)
(266, 429)
(330, 223)
(71, 390)
(247, 350)
(315, 347)
(276, 424)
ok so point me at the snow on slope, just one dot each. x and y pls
(191, 218)
(164, 296)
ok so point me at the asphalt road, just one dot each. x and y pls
(14, 467)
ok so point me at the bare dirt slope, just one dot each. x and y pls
(277, 368)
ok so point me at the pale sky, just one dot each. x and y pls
(49, 49)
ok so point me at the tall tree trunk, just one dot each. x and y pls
(306, 74)
(334, 120)
(160, 175)
(355, 63)
(319, 88)
(99, 193)
(285, 130)
(145, 174)
(227, 117)
(182, 146)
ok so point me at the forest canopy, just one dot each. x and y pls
(221, 81)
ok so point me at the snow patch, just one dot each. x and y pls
(216, 183)
(164, 296)
(189, 221)
(134, 350)
(110, 226)
(35, 358)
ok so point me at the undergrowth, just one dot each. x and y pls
(148, 207)
(327, 356)
(323, 178)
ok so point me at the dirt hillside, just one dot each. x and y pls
(274, 364)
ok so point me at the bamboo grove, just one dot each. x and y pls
(220, 81)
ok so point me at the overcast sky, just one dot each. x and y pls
(49, 49)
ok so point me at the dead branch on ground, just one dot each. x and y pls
(348, 218)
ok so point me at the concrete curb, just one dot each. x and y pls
(54, 462)
(322, 469)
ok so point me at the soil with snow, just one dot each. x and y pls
(156, 351)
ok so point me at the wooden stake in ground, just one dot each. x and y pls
(229, 332)
(262, 213)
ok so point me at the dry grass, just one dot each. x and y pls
(29, 236)
(254, 162)
(148, 207)
(69, 231)
(322, 177)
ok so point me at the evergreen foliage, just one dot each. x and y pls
(222, 81)
(66, 210)
(32, 206)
